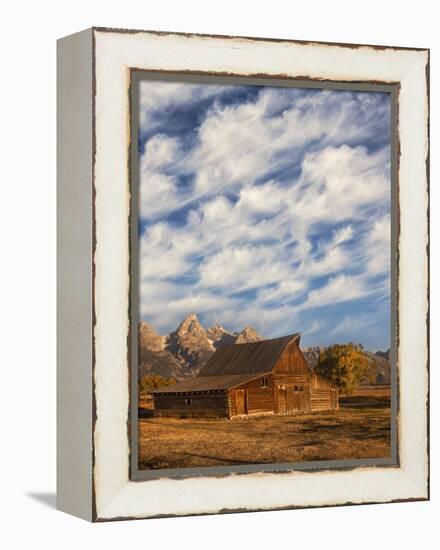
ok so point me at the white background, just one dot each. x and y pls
(27, 299)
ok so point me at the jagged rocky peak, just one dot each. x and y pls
(149, 338)
(220, 336)
(190, 341)
(191, 325)
(215, 332)
(248, 334)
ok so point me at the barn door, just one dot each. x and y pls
(296, 398)
(302, 398)
(282, 400)
(291, 404)
(240, 401)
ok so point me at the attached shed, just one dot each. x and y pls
(265, 377)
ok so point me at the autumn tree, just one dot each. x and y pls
(346, 366)
(154, 381)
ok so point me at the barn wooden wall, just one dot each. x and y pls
(292, 361)
(202, 405)
(258, 399)
(323, 396)
(292, 370)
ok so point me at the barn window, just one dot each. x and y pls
(264, 382)
(188, 401)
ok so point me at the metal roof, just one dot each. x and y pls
(251, 358)
(207, 383)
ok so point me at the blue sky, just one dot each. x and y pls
(268, 207)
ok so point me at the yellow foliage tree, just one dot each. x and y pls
(345, 365)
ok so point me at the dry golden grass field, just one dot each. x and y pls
(359, 429)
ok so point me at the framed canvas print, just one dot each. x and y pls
(242, 274)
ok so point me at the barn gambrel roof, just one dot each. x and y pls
(249, 358)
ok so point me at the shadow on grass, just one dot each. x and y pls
(363, 403)
(158, 464)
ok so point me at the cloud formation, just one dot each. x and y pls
(266, 207)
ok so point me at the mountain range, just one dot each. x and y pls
(183, 352)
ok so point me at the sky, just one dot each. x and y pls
(266, 207)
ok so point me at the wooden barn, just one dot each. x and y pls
(265, 377)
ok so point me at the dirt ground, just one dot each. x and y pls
(359, 429)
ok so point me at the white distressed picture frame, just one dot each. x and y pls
(94, 274)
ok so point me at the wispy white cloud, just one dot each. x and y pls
(341, 288)
(243, 267)
(283, 208)
(157, 98)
